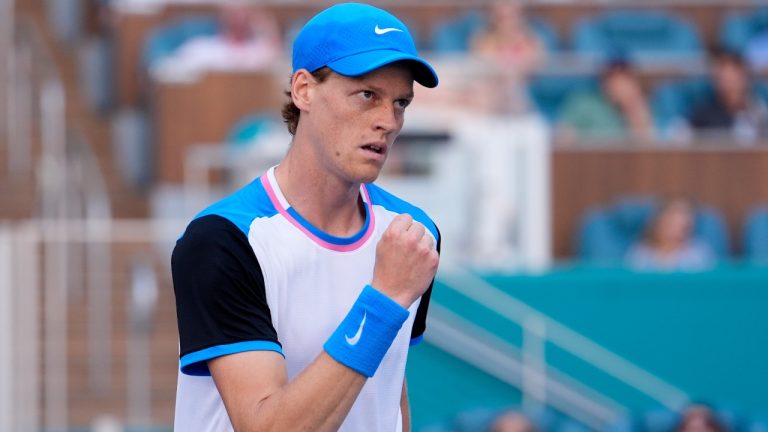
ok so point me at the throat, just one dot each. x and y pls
(344, 221)
(331, 205)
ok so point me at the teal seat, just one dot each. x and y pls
(548, 93)
(675, 100)
(738, 28)
(756, 235)
(638, 34)
(455, 35)
(163, 41)
(606, 233)
(248, 128)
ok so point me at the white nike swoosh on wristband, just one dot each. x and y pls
(354, 339)
(381, 31)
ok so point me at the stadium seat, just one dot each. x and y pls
(709, 226)
(606, 234)
(163, 41)
(248, 128)
(673, 102)
(738, 28)
(549, 92)
(454, 35)
(756, 235)
(657, 420)
(638, 34)
(474, 420)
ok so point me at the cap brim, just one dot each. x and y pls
(360, 64)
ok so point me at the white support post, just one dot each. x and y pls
(535, 227)
(26, 250)
(7, 381)
(510, 201)
(55, 336)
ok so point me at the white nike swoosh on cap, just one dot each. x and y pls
(354, 339)
(381, 31)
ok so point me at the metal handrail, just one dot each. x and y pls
(508, 364)
(566, 338)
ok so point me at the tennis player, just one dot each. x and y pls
(299, 295)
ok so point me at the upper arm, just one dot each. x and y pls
(221, 303)
(245, 379)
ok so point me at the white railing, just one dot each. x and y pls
(35, 289)
(70, 186)
(19, 329)
(539, 329)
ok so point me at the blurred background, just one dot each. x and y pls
(598, 170)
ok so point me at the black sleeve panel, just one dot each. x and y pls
(219, 287)
(420, 322)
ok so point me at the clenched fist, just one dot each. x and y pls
(406, 261)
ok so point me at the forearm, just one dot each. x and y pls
(318, 399)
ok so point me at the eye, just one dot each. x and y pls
(402, 103)
(366, 94)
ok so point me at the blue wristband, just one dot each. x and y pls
(364, 336)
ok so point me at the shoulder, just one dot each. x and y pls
(243, 206)
(390, 202)
(584, 103)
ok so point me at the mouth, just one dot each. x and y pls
(375, 148)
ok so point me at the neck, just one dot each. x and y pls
(322, 198)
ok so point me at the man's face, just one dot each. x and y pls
(621, 86)
(730, 79)
(352, 122)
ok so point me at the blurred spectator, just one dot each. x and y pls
(249, 38)
(509, 42)
(512, 421)
(618, 110)
(669, 244)
(699, 418)
(735, 105)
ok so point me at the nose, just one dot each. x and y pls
(387, 119)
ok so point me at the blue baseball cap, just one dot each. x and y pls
(353, 39)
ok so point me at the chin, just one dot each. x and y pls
(367, 174)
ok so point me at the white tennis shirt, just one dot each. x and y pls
(250, 273)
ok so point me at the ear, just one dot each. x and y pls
(302, 89)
